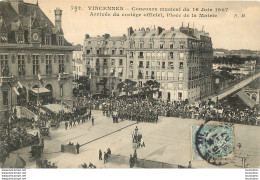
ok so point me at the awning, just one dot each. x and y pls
(40, 90)
(14, 161)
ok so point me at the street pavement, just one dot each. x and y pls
(168, 141)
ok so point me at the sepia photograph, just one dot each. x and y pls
(129, 84)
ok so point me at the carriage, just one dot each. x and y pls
(45, 132)
(36, 152)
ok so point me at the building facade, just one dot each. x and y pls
(31, 46)
(79, 64)
(106, 59)
(179, 59)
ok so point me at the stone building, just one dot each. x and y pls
(179, 59)
(79, 65)
(106, 58)
(30, 44)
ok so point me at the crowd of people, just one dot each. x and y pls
(14, 138)
(44, 163)
(148, 110)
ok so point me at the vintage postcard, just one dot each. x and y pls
(129, 84)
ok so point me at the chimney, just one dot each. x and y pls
(159, 30)
(172, 28)
(58, 14)
(130, 31)
(15, 4)
(86, 36)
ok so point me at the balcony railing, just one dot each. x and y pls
(170, 67)
(147, 77)
(6, 80)
(140, 56)
(141, 66)
(170, 78)
(147, 67)
(130, 76)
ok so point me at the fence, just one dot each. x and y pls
(142, 163)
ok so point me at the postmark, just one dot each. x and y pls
(213, 143)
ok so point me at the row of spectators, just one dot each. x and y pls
(207, 110)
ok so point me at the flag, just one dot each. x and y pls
(40, 79)
(59, 77)
(16, 91)
(20, 85)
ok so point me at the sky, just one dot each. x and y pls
(229, 30)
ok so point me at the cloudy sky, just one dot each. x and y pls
(228, 30)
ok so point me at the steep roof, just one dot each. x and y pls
(28, 14)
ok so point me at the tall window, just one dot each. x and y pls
(20, 38)
(151, 45)
(181, 56)
(5, 97)
(4, 65)
(112, 62)
(181, 65)
(131, 54)
(121, 52)
(21, 65)
(141, 45)
(35, 59)
(141, 55)
(61, 64)
(120, 62)
(171, 55)
(60, 41)
(105, 62)
(48, 40)
(61, 90)
(161, 46)
(48, 64)
(171, 46)
(131, 74)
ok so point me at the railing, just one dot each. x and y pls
(142, 163)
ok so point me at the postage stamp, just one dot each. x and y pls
(212, 143)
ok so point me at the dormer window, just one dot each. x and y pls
(60, 40)
(152, 37)
(3, 38)
(47, 40)
(163, 36)
(20, 38)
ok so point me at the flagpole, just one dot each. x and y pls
(38, 99)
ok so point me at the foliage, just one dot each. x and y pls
(150, 87)
(127, 86)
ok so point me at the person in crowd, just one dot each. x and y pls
(77, 148)
(93, 120)
(66, 125)
(100, 155)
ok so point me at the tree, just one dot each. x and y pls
(127, 86)
(150, 87)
